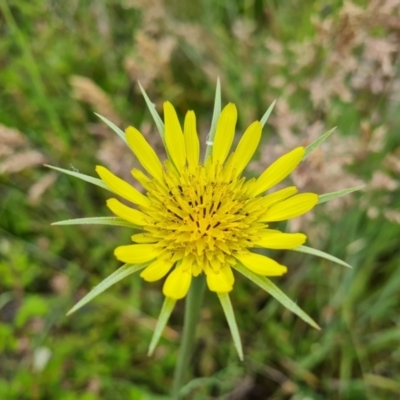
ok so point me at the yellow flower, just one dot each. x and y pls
(203, 218)
(198, 217)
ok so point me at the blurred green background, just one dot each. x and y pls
(328, 63)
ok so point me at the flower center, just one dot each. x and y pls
(201, 212)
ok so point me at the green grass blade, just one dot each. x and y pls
(265, 284)
(86, 178)
(319, 253)
(265, 117)
(31, 64)
(116, 221)
(315, 144)
(230, 317)
(381, 382)
(163, 318)
(115, 277)
(157, 119)
(114, 127)
(323, 198)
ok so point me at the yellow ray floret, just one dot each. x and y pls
(141, 177)
(279, 170)
(144, 153)
(191, 139)
(261, 265)
(278, 196)
(174, 137)
(143, 238)
(177, 283)
(228, 273)
(120, 187)
(225, 133)
(291, 208)
(246, 147)
(125, 212)
(157, 270)
(218, 281)
(136, 253)
(273, 239)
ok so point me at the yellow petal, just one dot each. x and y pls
(157, 270)
(291, 208)
(144, 153)
(177, 283)
(261, 265)
(143, 238)
(136, 253)
(218, 282)
(278, 170)
(122, 188)
(279, 195)
(125, 212)
(191, 139)
(246, 147)
(225, 133)
(174, 139)
(141, 177)
(273, 239)
(227, 271)
(187, 263)
(261, 204)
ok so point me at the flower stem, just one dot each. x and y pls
(192, 312)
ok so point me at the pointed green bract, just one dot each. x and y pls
(315, 144)
(323, 198)
(215, 117)
(157, 119)
(115, 277)
(116, 221)
(265, 284)
(265, 117)
(319, 253)
(230, 317)
(86, 178)
(163, 318)
(114, 127)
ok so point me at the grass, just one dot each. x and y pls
(299, 53)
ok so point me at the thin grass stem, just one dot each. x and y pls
(34, 73)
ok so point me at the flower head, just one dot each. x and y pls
(205, 218)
